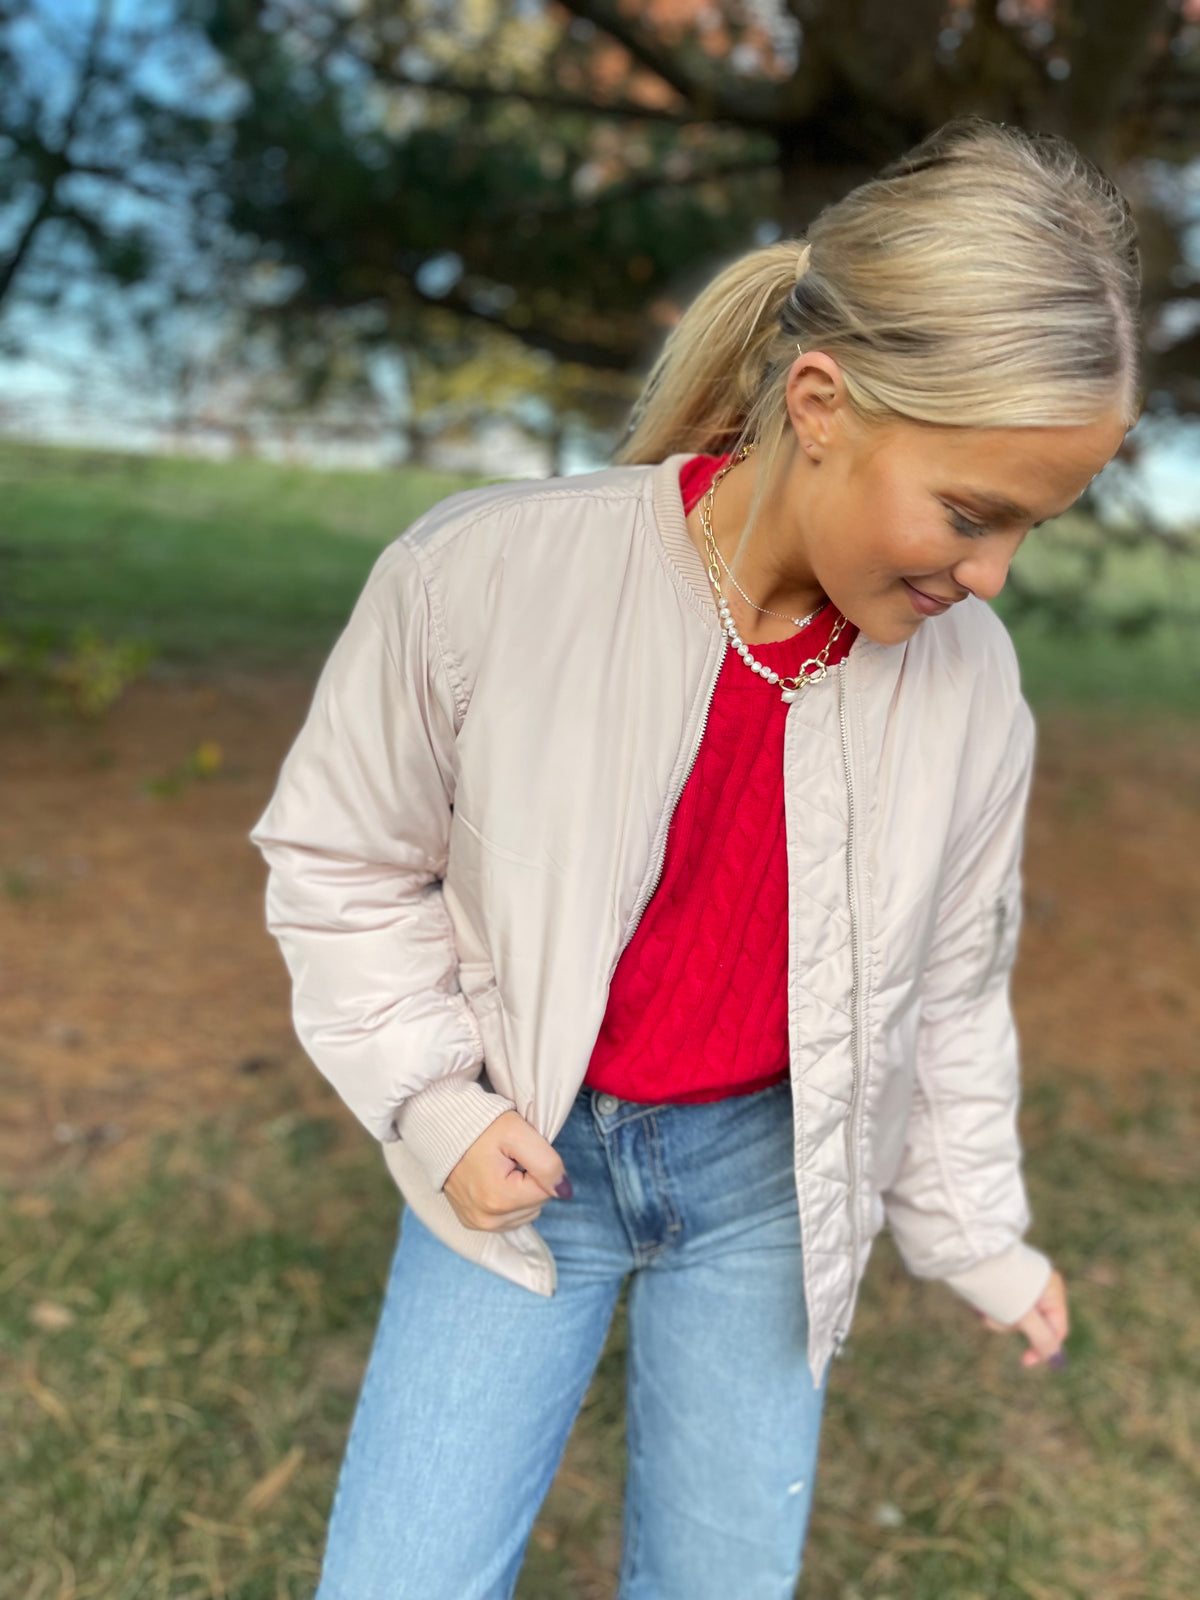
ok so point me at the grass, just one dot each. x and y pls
(1129, 659)
(179, 1356)
(180, 1350)
(245, 561)
(257, 564)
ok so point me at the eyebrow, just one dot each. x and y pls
(995, 503)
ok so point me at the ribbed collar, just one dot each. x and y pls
(677, 541)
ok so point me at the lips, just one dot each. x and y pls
(928, 605)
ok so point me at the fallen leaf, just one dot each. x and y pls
(207, 758)
(46, 1398)
(51, 1317)
(268, 1489)
(223, 1530)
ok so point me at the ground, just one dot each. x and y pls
(194, 1234)
(139, 988)
(187, 1292)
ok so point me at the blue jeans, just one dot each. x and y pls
(473, 1382)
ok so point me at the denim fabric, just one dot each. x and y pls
(474, 1382)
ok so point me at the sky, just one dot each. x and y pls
(40, 397)
(66, 386)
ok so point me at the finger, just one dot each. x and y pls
(1053, 1306)
(1044, 1341)
(518, 1188)
(1054, 1325)
(538, 1158)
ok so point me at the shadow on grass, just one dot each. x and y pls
(180, 1353)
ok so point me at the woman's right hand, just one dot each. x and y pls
(505, 1178)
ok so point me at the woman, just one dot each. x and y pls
(648, 872)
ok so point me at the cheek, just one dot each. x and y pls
(915, 544)
(887, 550)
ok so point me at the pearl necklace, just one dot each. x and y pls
(811, 671)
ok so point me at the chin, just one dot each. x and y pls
(887, 630)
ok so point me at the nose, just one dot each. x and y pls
(984, 569)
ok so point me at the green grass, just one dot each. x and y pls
(167, 1344)
(241, 561)
(258, 565)
(1109, 651)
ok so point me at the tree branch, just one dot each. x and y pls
(711, 100)
(546, 99)
(582, 351)
(85, 169)
(48, 204)
(646, 183)
(648, 52)
(604, 357)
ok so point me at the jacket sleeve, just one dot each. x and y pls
(957, 1207)
(356, 837)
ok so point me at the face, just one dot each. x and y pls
(900, 521)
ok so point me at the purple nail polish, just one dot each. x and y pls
(563, 1188)
(1058, 1359)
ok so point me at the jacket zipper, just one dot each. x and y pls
(855, 999)
(648, 893)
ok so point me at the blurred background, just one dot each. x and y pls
(275, 275)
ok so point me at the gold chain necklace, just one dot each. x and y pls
(811, 671)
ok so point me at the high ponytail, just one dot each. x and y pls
(988, 278)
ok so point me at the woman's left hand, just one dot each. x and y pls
(1045, 1325)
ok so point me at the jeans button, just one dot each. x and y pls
(607, 1104)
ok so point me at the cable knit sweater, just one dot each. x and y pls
(697, 1009)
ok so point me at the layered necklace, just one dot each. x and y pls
(812, 670)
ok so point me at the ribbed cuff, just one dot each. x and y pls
(441, 1122)
(1006, 1286)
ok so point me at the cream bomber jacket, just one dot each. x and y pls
(474, 815)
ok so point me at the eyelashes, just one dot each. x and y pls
(974, 530)
(965, 525)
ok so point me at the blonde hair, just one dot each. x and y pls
(987, 278)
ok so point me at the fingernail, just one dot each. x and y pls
(1058, 1359)
(563, 1188)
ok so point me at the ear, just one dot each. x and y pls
(817, 402)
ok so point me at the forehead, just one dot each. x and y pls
(1033, 470)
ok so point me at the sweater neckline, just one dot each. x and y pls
(692, 578)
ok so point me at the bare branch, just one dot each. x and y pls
(85, 169)
(48, 205)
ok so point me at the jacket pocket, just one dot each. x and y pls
(489, 1018)
(997, 942)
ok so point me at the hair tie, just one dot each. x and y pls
(802, 256)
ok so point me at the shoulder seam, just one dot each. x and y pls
(437, 632)
(455, 527)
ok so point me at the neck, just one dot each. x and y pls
(767, 559)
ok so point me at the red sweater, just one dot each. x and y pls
(697, 1009)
